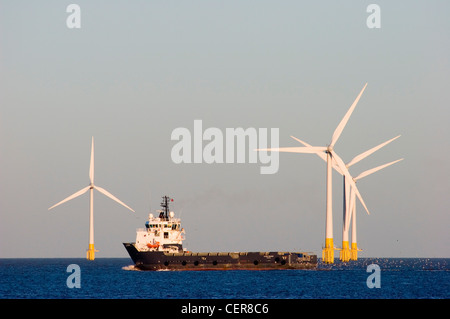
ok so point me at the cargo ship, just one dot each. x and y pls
(159, 246)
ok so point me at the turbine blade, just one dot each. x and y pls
(80, 192)
(322, 155)
(311, 149)
(108, 194)
(344, 169)
(91, 166)
(344, 120)
(361, 156)
(361, 199)
(376, 169)
(304, 143)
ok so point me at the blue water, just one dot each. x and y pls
(113, 278)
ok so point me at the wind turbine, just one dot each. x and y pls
(352, 211)
(90, 255)
(345, 254)
(331, 157)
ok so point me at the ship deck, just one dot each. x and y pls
(159, 260)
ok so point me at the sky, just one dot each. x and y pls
(137, 70)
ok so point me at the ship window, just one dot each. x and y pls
(166, 235)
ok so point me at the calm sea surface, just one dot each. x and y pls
(114, 278)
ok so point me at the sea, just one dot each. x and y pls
(116, 278)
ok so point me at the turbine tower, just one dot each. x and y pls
(90, 255)
(331, 157)
(351, 210)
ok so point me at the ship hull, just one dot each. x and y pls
(158, 260)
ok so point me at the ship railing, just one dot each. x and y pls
(170, 219)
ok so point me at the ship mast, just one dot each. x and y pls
(165, 205)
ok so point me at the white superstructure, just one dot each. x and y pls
(162, 233)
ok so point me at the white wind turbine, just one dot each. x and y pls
(351, 211)
(331, 156)
(345, 250)
(90, 255)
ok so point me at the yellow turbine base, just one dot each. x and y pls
(345, 253)
(90, 254)
(328, 251)
(354, 252)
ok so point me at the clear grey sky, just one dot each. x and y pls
(136, 70)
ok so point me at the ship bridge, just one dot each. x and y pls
(162, 233)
